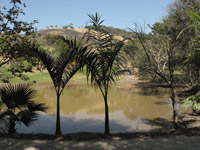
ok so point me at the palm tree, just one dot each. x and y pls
(105, 61)
(19, 96)
(62, 68)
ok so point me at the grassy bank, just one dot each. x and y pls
(38, 77)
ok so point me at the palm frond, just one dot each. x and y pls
(48, 61)
(105, 64)
(6, 113)
(27, 117)
(70, 61)
(33, 106)
(105, 61)
(95, 20)
(17, 95)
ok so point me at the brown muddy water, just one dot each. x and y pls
(132, 109)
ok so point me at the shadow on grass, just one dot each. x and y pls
(166, 126)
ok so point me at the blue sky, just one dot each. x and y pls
(116, 13)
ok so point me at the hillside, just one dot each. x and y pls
(78, 33)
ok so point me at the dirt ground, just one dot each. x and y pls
(175, 142)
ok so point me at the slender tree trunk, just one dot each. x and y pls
(58, 128)
(198, 76)
(107, 128)
(174, 106)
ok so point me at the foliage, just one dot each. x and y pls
(12, 44)
(46, 38)
(19, 96)
(135, 57)
(191, 102)
(177, 32)
(193, 58)
(10, 24)
(115, 31)
(105, 62)
(194, 55)
(69, 26)
(196, 18)
(56, 42)
(5, 77)
(19, 66)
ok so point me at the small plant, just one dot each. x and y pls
(18, 98)
(193, 102)
(24, 77)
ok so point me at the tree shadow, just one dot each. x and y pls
(189, 126)
(190, 121)
(161, 123)
(151, 89)
(172, 142)
(151, 85)
(100, 141)
(161, 103)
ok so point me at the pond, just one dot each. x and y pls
(132, 109)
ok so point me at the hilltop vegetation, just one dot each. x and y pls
(116, 31)
(43, 35)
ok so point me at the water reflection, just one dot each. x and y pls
(82, 109)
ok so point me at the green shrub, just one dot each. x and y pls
(24, 77)
(20, 66)
(191, 102)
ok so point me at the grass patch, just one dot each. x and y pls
(4, 70)
(39, 77)
(42, 77)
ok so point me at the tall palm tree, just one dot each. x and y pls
(62, 68)
(19, 96)
(105, 61)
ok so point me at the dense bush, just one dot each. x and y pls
(19, 66)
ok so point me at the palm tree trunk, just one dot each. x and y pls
(58, 128)
(11, 128)
(107, 128)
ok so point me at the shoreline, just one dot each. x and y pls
(90, 136)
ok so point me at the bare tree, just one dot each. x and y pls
(162, 54)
